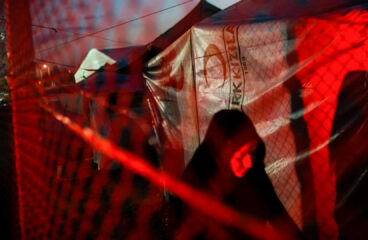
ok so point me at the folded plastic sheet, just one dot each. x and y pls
(303, 82)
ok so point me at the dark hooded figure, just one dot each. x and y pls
(349, 155)
(229, 165)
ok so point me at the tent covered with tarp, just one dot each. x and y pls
(109, 96)
(298, 69)
(113, 76)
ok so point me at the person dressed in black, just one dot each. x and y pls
(229, 165)
(349, 155)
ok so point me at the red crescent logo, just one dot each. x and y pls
(213, 51)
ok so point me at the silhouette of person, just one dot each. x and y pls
(229, 165)
(349, 154)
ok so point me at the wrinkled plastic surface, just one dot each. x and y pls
(304, 84)
(84, 163)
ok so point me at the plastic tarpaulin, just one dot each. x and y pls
(303, 82)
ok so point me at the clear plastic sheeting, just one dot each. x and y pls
(145, 147)
(304, 84)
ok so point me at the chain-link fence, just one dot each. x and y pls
(91, 158)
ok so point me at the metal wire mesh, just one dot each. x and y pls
(68, 189)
